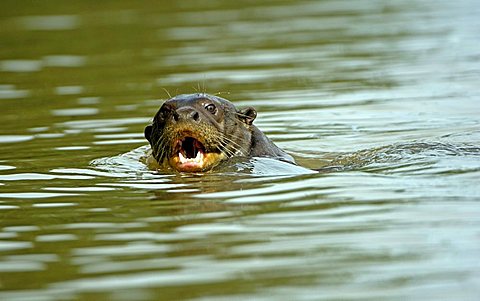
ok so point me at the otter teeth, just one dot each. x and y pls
(182, 158)
(197, 159)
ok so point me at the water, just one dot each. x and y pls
(381, 97)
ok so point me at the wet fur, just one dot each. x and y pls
(229, 131)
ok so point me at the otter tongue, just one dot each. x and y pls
(197, 159)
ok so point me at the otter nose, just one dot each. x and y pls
(186, 113)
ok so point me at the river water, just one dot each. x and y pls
(380, 96)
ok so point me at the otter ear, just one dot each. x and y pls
(148, 132)
(247, 115)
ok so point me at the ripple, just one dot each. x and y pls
(72, 131)
(15, 245)
(6, 87)
(67, 148)
(89, 226)
(99, 210)
(281, 197)
(50, 135)
(69, 90)
(89, 172)
(102, 226)
(21, 228)
(8, 207)
(328, 78)
(21, 266)
(20, 65)
(4, 235)
(39, 176)
(101, 123)
(192, 275)
(53, 205)
(237, 76)
(186, 190)
(7, 167)
(50, 22)
(81, 189)
(109, 130)
(56, 237)
(90, 100)
(128, 249)
(148, 186)
(131, 236)
(14, 138)
(126, 108)
(209, 229)
(120, 141)
(13, 94)
(39, 129)
(131, 265)
(64, 60)
(269, 191)
(76, 112)
(34, 195)
(34, 257)
(114, 136)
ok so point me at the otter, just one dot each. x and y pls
(196, 132)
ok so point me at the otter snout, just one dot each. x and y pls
(186, 114)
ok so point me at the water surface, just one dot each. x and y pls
(380, 96)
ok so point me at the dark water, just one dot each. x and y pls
(381, 96)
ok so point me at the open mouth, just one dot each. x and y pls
(191, 154)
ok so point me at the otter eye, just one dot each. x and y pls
(211, 108)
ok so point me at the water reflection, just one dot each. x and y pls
(379, 97)
(64, 60)
(20, 65)
(51, 22)
(10, 92)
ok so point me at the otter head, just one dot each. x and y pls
(195, 132)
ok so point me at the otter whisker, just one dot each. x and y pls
(222, 145)
(224, 140)
(168, 93)
(155, 147)
(234, 150)
(164, 151)
(160, 149)
(225, 150)
(232, 144)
